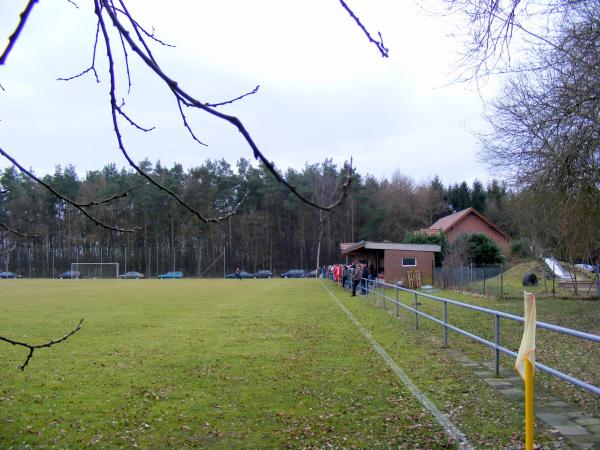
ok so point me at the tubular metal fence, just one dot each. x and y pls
(416, 303)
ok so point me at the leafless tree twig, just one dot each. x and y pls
(15, 35)
(32, 348)
(92, 67)
(385, 52)
(66, 199)
(214, 105)
(17, 232)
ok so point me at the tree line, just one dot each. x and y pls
(271, 230)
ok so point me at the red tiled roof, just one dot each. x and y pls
(450, 221)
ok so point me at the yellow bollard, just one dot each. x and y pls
(525, 364)
(529, 405)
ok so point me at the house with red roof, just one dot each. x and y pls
(469, 221)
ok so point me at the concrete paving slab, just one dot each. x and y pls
(588, 421)
(553, 419)
(570, 430)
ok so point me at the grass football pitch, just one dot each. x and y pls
(228, 364)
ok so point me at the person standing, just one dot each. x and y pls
(356, 277)
(365, 280)
(238, 275)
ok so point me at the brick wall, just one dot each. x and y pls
(394, 271)
(473, 224)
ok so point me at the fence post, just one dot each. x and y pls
(397, 304)
(497, 342)
(445, 325)
(416, 312)
(501, 281)
(484, 279)
(471, 278)
(598, 279)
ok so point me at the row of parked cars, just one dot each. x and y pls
(294, 273)
(74, 274)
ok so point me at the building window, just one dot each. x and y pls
(409, 262)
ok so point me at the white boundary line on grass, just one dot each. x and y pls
(444, 422)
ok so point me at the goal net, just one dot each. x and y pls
(96, 270)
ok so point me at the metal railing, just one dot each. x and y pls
(382, 290)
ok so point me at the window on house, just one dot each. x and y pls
(409, 262)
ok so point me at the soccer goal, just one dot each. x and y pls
(96, 270)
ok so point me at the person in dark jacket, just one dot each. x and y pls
(364, 282)
(345, 272)
(356, 277)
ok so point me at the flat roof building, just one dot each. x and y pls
(395, 262)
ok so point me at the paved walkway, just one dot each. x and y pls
(580, 429)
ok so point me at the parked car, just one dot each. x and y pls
(131, 275)
(263, 274)
(73, 274)
(171, 275)
(294, 273)
(311, 274)
(10, 275)
(242, 275)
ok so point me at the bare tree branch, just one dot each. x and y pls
(18, 233)
(110, 199)
(66, 199)
(32, 348)
(186, 124)
(138, 27)
(114, 110)
(15, 35)
(92, 67)
(183, 96)
(129, 119)
(214, 105)
(379, 44)
(13, 230)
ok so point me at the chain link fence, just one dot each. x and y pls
(482, 280)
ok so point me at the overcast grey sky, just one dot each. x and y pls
(325, 90)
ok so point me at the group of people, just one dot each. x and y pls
(350, 275)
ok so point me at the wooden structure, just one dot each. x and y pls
(414, 279)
